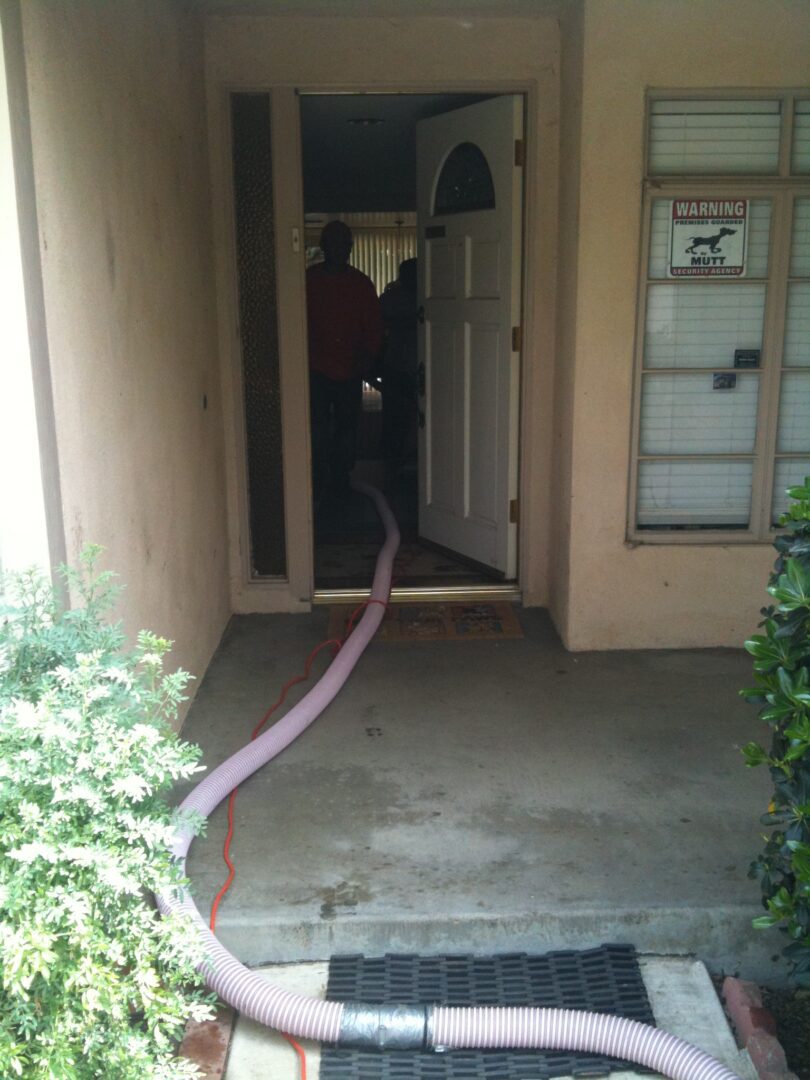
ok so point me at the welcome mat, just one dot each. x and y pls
(606, 979)
(456, 621)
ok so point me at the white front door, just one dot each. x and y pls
(469, 216)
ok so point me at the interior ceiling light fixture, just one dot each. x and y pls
(365, 121)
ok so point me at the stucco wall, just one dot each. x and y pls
(117, 111)
(650, 596)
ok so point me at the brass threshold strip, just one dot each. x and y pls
(425, 594)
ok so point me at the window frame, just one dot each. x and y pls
(782, 189)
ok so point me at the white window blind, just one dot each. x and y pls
(794, 413)
(689, 412)
(378, 253)
(801, 137)
(797, 326)
(701, 325)
(686, 493)
(759, 231)
(800, 248)
(683, 414)
(706, 136)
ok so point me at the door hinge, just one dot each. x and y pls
(514, 507)
(520, 152)
(517, 338)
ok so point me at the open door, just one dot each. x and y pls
(469, 216)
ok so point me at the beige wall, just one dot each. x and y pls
(117, 111)
(422, 54)
(649, 596)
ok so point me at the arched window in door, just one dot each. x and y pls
(465, 182)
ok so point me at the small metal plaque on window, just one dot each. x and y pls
(746, 358)
(724, 380)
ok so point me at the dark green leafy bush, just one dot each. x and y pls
(94, 983)
(782, 666)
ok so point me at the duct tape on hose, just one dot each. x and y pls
(384, 1027)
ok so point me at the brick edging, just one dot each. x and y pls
(756, 1029)
(206, 1043)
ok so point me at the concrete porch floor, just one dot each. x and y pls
(489, 797)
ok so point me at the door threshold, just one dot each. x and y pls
(425, 594)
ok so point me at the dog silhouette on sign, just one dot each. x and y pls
(712, 241)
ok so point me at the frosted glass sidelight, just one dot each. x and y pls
(258, 326)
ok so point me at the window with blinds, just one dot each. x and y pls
(722, 417)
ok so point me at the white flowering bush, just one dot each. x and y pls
(95, 984)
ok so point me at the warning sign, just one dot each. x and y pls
(708, 238)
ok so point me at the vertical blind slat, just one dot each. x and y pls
(378, 253)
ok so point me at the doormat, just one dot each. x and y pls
(436, 622)
(606, 980)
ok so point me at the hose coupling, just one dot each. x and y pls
(384, 1027)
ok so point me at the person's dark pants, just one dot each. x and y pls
(334, 415)
(399, 415)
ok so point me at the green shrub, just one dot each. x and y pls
(94, 983)
(782, 665)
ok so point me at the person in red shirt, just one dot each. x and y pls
(345, 327)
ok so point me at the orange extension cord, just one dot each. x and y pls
(226, 851)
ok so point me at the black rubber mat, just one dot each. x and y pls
(606, 980)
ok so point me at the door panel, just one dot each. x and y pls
(469, 286)
(483, 269)
(482, 436)
(441, 271)
(443, 398)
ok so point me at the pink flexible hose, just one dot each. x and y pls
(449, 1028)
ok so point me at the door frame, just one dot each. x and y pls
(296, 592)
